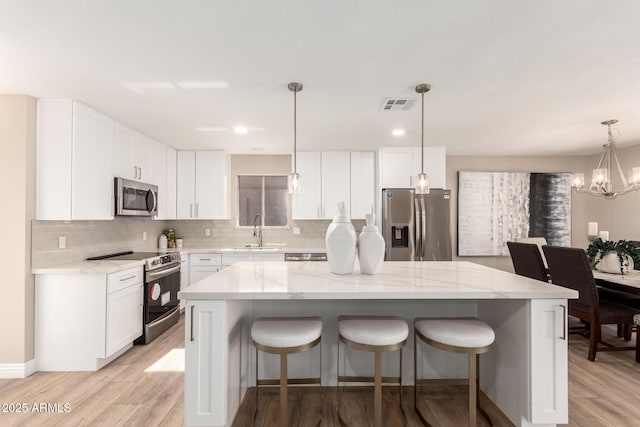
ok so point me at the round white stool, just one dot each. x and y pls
(458, 335)
(375, 334)
(284, 336)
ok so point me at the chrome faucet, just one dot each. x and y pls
(259, 225)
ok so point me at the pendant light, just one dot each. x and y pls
(422, 180)
(294, 177)
(602, 182)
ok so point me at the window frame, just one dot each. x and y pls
(267, 227)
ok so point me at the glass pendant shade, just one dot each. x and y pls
(634, 177)
(422, 184)
(600, 177)
(577, 180)
(293, 182)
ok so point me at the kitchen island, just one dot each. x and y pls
(524, 373)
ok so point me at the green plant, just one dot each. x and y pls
(621, 247)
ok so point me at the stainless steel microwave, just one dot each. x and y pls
(134, 198)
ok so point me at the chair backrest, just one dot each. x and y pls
(527, 260)
(540, 241)
(569, 267)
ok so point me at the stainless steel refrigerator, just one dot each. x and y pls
(416, 227)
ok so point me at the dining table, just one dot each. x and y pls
(628, 282)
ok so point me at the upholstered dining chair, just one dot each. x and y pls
(569, 267)
(527, 261)
(538, 241)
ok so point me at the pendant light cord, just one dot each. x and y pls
(422, 138)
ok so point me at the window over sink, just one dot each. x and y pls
(263, 195)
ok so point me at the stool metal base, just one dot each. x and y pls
(377, 379)
(284, 352)
(474, 379)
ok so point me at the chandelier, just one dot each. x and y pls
(601, 183)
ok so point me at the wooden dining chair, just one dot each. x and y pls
(569, 267)
(527, 261)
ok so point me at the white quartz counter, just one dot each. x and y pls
(398, 280)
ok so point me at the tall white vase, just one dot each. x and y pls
(370, 247)
(341, 243)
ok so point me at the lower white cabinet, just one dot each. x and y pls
(84, 321)
(124, 317)
(203, 265)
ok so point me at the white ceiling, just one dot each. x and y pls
(508, 77)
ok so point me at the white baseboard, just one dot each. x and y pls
(17, 370)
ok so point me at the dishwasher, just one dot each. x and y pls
(305, 256)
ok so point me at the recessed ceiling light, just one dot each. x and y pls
(397, 132)
(140, 87)
(240, 129)
(214, 84)
(210, 129)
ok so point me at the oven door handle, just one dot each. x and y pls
(163, 273)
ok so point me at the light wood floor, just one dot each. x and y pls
(145, 387)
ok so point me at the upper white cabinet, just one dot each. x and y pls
(170, 198)
(134, 154)
(363, 174)
(308, 203)
(74, 172)
(400, 165)
(329, 177)
(160, 177)
(202, 185)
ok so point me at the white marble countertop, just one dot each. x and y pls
(110, 266)
(398, 280)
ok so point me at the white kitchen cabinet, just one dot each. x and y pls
(160, 177)
(308, 203)
(170, 198)
(400, 165)
(325, 181)
(219, 325)
(363, 183)
(202, 185)
(74, 170)
(336, 182)
(133, 154)
(203, 265)
(124, 317)
(549, 362)
(84, 321)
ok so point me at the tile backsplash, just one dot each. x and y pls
(91, 238)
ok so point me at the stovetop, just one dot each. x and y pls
(154, 260)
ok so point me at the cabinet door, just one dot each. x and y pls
(185, 187)
(170, 193)
(125, 138)
(211, 185)
(160, 177)
(397, 167)
(363, 180)
(307, 203)
(205, 390)
(549, 362)
(199, 272)
(92, 165)
(143, 157)
(434, 165)
(336, 182)
(124, 317)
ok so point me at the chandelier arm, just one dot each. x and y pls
(625, 183)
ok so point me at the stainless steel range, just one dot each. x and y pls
(161, 308)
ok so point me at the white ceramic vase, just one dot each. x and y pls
(610, 263)
(341, 243)
(370, 247)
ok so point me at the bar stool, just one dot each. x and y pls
(376, 334)
(284, 336)
(458, 335)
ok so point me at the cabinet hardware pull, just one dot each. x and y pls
(564, 322)
(140, 173)
(127, 278)
(197, 213)
(205, 259)
(192, 307)
(135, 172)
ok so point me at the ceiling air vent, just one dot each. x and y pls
(397, 104)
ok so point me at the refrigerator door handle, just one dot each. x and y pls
(418, 248)
(423, 214)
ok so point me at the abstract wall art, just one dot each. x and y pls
(497, 207)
